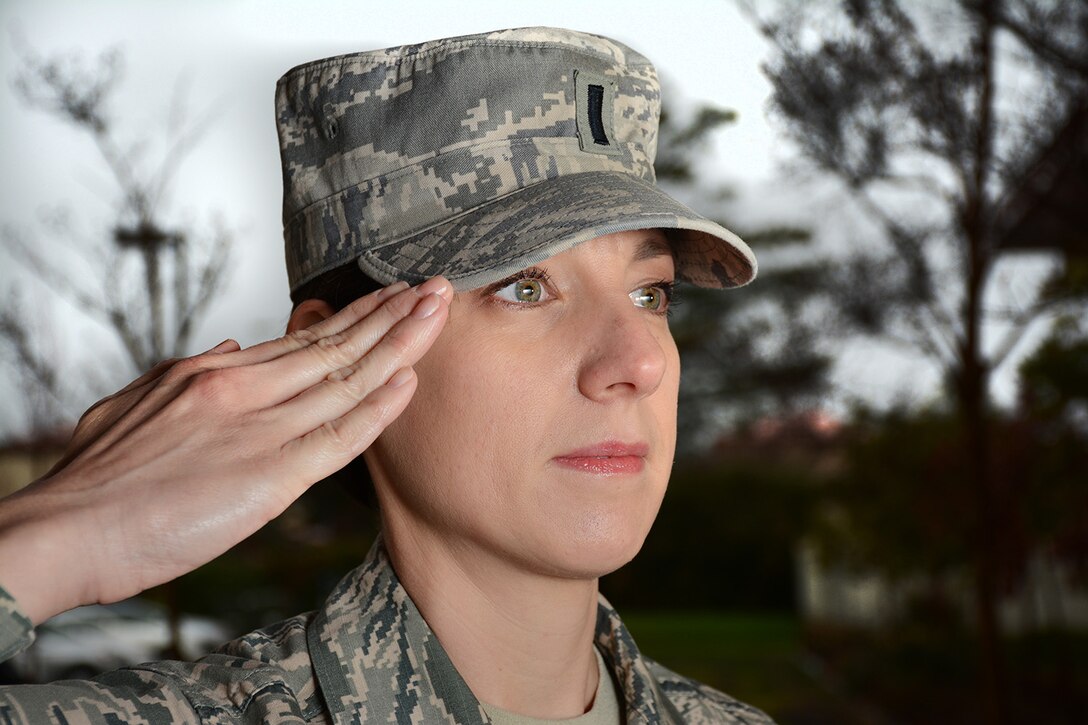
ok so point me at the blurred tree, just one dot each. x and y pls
(181, 270)
(750, 352)
(912, 530)
(952, 104)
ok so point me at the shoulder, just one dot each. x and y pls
(265, 674)
(701, 704)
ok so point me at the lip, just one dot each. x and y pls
(606, 458)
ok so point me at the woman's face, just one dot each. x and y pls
(543, 426)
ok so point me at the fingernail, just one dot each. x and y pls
(435, 285)
(392, 289)
(399, 378)
(426, 306)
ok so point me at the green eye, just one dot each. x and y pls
(652, 298)
(526, 289)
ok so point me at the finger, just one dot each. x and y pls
(342, 389)
(333, 444)
(340, 322)
(112, 407)
(227, 345)
(353, 312)
(235, 387)
(100, 416)
(155, 372)
(112, 419)
(284, 377)
(152, 374)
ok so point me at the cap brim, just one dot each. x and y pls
(530, 225)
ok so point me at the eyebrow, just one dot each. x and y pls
(653, 247)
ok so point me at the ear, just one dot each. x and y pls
(309, 312)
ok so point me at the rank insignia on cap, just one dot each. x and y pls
(594, 97)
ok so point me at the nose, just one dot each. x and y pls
(625, 356)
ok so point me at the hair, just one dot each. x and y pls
(339, 287)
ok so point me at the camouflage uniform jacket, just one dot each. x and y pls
(367, 656)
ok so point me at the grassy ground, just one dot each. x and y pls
(850, 677)
(756, 658)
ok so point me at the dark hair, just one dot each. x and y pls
(339, 287)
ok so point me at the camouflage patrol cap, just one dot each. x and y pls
(477, 156)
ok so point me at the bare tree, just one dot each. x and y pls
(147, 279)
(890, 101)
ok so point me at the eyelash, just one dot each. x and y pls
(532, 273)
(672, 297)
(540, 273)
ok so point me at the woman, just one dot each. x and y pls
(516, 414)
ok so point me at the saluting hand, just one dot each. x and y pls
(200, 452)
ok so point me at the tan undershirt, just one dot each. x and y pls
(605, 709)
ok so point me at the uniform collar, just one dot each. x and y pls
(377, 660)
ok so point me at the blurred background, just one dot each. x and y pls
(879, 509)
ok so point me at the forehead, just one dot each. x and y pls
(634, 246)
(653, 244)
(625, 247)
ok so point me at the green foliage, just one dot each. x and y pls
(1071, 283)
(1055, 409)
(1055, 377)
(900, 507)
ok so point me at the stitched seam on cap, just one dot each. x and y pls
(382, 264)
(405, 170)
(420, 230)
(684, 268)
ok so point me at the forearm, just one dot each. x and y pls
(43, 559)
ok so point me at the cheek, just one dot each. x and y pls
(669, 391)
(482, 411)
(470, 454)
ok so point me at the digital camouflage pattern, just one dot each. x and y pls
(16, 631)
(477, 156)
(367, 656)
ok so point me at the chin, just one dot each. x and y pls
(594, 547)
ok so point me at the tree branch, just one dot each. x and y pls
(58, 282)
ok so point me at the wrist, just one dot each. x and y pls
(43, 555)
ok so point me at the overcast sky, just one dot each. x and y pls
(227, 55)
